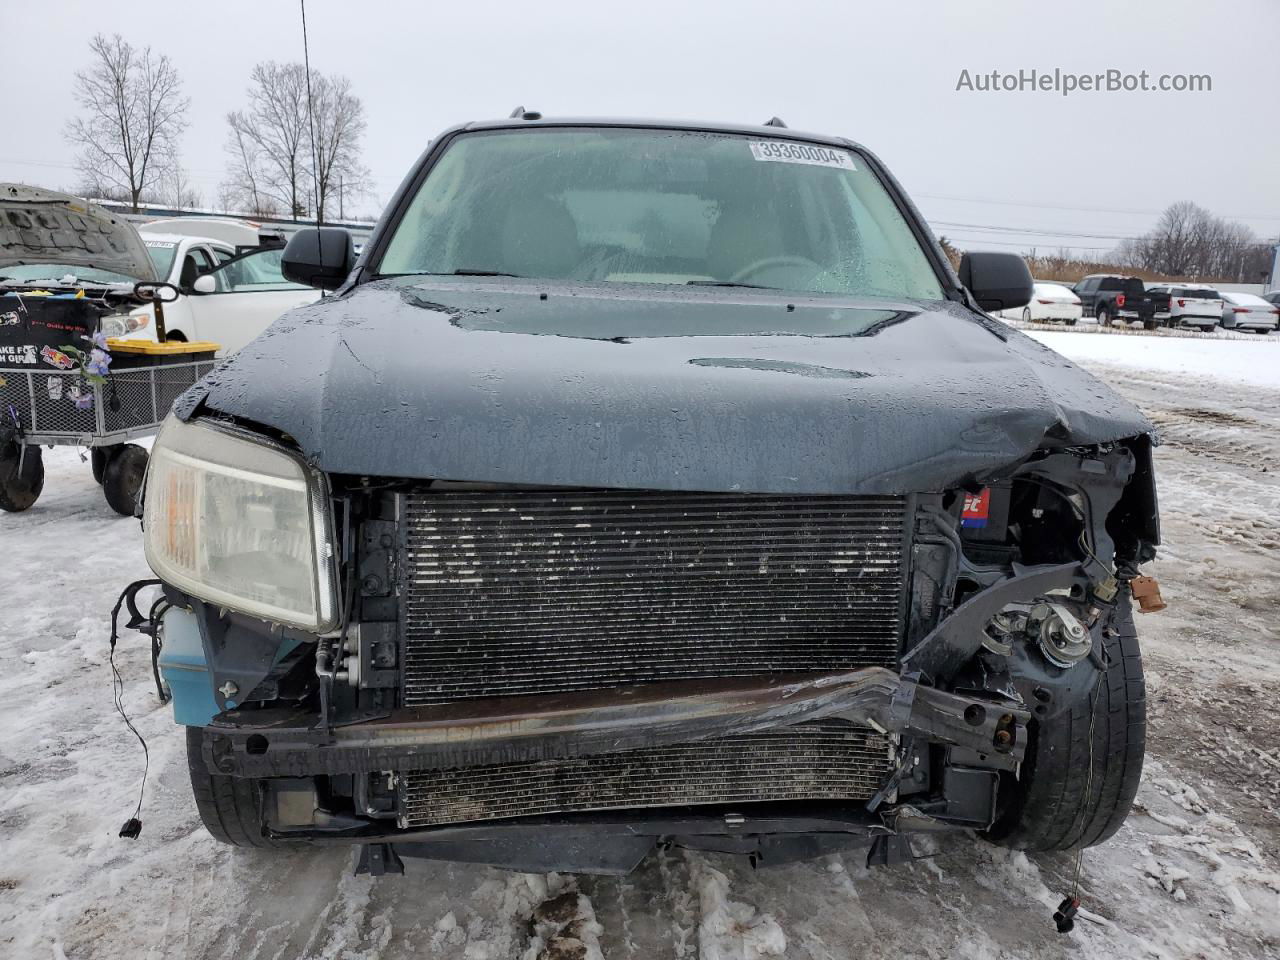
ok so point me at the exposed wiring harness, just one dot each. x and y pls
(133, 826)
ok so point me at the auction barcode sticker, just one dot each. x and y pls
(785, 152)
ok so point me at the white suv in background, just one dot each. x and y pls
(1191, 305)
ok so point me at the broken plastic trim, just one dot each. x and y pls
(283, 742)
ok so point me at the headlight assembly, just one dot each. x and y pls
(241, 522)
(119, 326)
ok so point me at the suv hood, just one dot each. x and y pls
(660, 388)
(42, 226)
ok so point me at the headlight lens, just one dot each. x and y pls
(240, 522)
(118, 326)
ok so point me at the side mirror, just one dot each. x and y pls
(156, 291)
(204, 284)
(998, 281)
(320, 257)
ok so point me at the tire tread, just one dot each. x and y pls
(1052, 811)
(230, 807)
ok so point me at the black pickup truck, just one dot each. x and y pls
(1126, 299)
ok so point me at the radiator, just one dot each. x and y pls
(510, 592)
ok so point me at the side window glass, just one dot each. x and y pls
(256, 271)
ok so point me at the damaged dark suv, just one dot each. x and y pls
(651, 483)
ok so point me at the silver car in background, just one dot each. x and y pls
(1248, 311)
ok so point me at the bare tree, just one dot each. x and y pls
(339, 125)
(243, 190)
(273, 158)
(176, 190)
(1189, 241)
(134, 114)
(275, 124)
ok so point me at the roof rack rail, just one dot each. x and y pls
(775, 122)
(520, 113)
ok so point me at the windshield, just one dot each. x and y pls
(57, 272)
(162, 253)
(660, 206)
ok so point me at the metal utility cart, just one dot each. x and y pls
(46, 399)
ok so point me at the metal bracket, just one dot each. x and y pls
(890, 851)
(377, 860)
(954, 642)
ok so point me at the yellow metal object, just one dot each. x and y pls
(171, 349)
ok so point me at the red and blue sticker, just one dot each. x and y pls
(977, 509)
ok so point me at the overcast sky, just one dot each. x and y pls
(1100, 165)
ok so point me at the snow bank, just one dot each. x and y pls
(1254, 362)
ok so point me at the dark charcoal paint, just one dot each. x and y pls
(608, 386)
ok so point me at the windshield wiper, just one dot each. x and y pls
(470, 272)
(728, 283)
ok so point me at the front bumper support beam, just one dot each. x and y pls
(286, 742)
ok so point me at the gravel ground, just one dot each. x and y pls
(1193, 873)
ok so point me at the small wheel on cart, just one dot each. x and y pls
(122, 477)
(20, 488)
(99, 457)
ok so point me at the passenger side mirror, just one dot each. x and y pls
(204, 284)
(998, 281)
(320, 257)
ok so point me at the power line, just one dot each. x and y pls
(1021, 244)
(1030, 231)
(1079, 209)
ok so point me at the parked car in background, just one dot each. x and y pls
(244, 290)
(1050, 303)
(1191, 306)
(1109, 298)
(1273, 297)
(1248, 311)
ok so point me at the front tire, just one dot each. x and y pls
(20, 488)
(230, 807)
(1057, 804)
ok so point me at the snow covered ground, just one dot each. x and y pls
(1244, 358)
(1195, 873)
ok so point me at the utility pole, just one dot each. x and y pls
(340, 217)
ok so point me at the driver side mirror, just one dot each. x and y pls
(204, 284)
(320, 257)
(998, 281)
